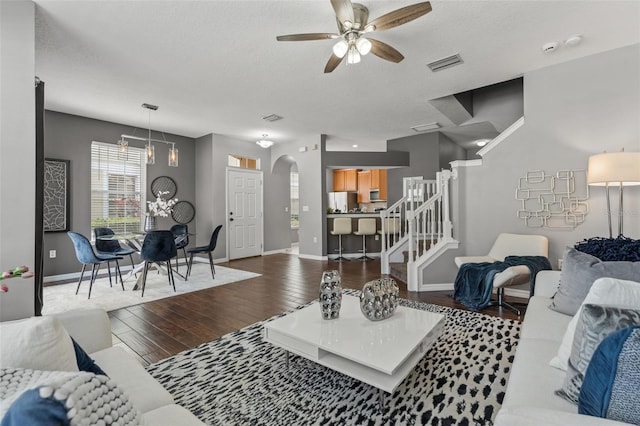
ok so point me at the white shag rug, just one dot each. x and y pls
(61, 298)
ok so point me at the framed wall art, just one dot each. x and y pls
(56, 203)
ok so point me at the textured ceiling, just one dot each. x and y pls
(216, 67)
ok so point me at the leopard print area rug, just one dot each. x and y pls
(240, 380)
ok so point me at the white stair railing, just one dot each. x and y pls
(425, 222)
(395, 228)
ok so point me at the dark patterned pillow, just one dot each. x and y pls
(595, 324)
(611, 384)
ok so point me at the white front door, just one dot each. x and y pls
(244, 212)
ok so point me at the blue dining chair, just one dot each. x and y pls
(158, 247)
(205, 249)
(181, 238)
(112, 247)
(86, 256)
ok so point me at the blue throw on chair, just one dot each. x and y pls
(158, 247)
(86, 256)
(181, 237)
(205, 249)
(111, 246)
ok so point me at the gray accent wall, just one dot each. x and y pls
(69, 137)
(572, 110)
(17, 154)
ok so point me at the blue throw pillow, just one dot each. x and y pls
(30, 409)
(612, 380)
(85, 362)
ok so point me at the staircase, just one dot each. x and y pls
(424, 231)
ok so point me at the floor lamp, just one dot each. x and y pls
(614, 169)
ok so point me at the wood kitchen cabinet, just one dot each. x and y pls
(379, 182)
(345, 180)
(364, 185)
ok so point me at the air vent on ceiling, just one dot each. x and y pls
(425, 127)
(272, 117)
(443, 63)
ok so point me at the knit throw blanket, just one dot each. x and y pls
(474, 281)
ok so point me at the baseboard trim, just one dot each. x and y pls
(516, 293)
(270, 252)
(436, 287)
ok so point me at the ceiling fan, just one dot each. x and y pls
(352, 25)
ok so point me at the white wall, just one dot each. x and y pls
(572, 110)
(17, 153)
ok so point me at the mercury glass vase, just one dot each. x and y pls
(150, 223)
(379, 299)
(330, 295)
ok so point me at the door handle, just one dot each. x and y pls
(231, 219)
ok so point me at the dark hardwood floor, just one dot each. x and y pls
(158, 329)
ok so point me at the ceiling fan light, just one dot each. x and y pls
(340, 48)
(353, 56)
(363, 45)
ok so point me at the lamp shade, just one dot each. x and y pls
(614, 168)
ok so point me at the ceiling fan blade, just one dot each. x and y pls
(384, 51)
(343, 9)
(306, 37)
(400, 16)
(333, 63)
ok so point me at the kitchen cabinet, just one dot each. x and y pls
(379, 182)
(345, 180)
(364, 185)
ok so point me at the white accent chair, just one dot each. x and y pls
(365, 227)
(510, 245)
(341, 226)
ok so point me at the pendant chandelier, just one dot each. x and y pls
(150, 151)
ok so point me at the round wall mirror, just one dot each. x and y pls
(164, 184)
(183, 212)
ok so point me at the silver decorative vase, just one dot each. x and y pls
(150, 223)
(379, 299)
(330, 295)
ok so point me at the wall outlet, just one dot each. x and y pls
(286, 209)
(315, 240)
(377, 237)
(52, 254)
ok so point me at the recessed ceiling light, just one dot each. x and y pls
(354, 145)
(482, 142)
(550, 47)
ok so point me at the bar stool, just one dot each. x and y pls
(365, 227)
(391, 226)
(341, 226)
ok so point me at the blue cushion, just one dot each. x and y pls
(612, 380)
(30, 409)
(85, 362)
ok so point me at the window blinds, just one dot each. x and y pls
(118, 183)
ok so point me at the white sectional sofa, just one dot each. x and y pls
(530, 399)
(91, 329)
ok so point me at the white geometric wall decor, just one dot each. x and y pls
(553, 201)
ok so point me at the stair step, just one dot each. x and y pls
(398, 271)
(422, 245)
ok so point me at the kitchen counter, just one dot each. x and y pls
(363, 214)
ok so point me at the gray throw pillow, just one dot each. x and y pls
(579, 271)
(595, 324)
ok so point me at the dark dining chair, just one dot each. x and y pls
(86, 256)
(158, 247)
(112, 247)
(181, 237)
(205, 249)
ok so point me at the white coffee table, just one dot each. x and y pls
(380, 353)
